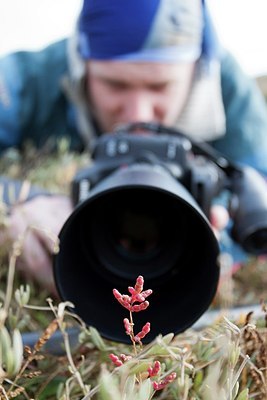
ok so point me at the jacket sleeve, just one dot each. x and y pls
(33, 106)
(22, 87)
(245, 140)
(12, 105)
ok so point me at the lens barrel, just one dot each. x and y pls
(138, 221)
(250, 213)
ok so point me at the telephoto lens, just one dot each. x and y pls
(138, 221)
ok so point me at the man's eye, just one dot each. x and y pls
(159, 87)
(116, 85)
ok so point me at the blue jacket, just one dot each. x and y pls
(34, 107)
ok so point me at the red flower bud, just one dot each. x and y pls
(155, 370)
(115, 359)
(125, 358)
(162, 384)
(138, 297)
(127, 326)
(132, 290)
(139, 307)
(126, 298)
(117, 294)
(146, 293)
(121, 299)
(145, 330)
(139, 284)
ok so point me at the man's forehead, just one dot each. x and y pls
(147, 71)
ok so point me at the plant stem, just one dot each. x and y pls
(17, 247)
(132, 333)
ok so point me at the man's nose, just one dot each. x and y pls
(139, 107)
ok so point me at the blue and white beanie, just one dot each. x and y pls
(160, 31)
(146, 30)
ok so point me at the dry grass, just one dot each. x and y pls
(227, 359)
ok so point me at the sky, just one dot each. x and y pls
(242, 28)
(32, 24)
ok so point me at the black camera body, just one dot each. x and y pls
(142, 208)
(200, 176)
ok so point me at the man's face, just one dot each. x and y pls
(124, 92)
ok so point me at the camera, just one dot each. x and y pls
(142, 209)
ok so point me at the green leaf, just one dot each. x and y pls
(167, 338)
(52, 389)
(159, 348)
(9, 361)
(243, 395)
(129, 386)
(137, 366)
(109, 389)
(145, 390)
(198, 379)
(17, 350)
(97, 339)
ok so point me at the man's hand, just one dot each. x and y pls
(219, 219)
(39, 221)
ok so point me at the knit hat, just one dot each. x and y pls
(146, 30)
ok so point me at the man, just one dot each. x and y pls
(131, 60)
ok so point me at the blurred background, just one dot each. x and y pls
(31, 24)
